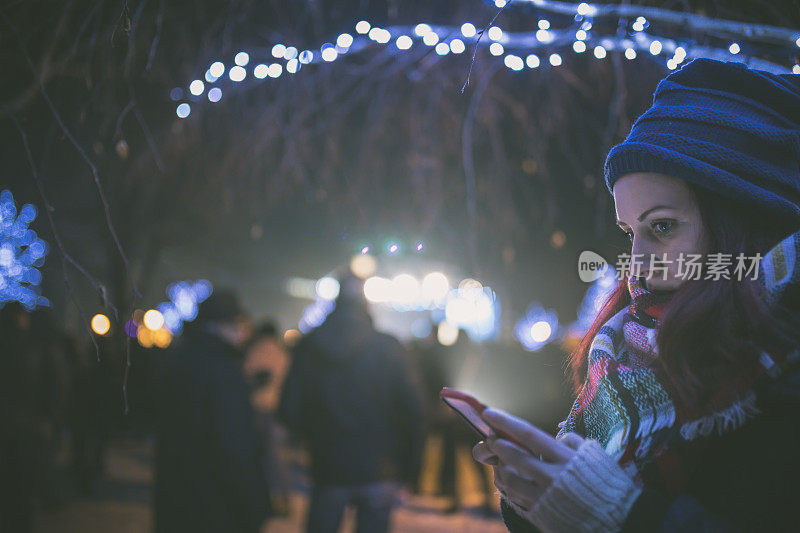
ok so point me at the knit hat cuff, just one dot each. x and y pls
(630, 157)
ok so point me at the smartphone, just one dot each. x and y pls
(468, 407)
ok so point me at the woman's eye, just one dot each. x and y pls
(662, 227)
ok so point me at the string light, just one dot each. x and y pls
(216, 69)
(404, 42)
(278, 50)
(457, 46)
(22, 253)
(362, 27)
(514, 62)
(430, 38)
(329, 53)
(196, 87)
(422, 29)
(344, 40)
(655, 47)
(499, 43)
(261, 71)
(496, 49)
(237, 73)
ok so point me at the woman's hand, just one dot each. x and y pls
(523, 471)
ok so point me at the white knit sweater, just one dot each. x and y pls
(591, 494)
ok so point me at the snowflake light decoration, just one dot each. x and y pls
(22, 253)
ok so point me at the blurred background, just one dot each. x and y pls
(446, 154)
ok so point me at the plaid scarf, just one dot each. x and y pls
(624, 406)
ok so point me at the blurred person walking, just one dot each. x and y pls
(209, 469)
(350, 396)
(265, 366)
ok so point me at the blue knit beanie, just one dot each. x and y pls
(725, 127)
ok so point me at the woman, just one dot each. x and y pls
(688, 386)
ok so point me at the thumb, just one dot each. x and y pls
(573, 440)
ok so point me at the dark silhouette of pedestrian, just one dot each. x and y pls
(350, 396)
(209, 469)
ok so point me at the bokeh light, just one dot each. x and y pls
(447, 333)
(153, 319)
(100, 324)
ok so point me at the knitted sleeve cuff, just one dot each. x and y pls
(592, 493)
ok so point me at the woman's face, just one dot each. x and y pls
(661, 217)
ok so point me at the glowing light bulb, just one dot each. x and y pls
(404, 42)
(496, 49)
(196, 87)
(278, 50)
(100, 324)
(344, 40)
(216, 69)
(261, 71)
(153, 319)
(237, 73)
(655, 48)
(430, 38)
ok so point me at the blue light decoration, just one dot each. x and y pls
(184, 300)
(315, 314)
(22, 253)
(538, 327)
(517, 50)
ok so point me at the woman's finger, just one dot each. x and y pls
(528, 435)
(573, 440)
(517, 489)
(482, 454)
(522, 461)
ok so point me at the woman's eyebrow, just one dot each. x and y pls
(641, 217)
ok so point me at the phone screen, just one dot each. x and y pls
(469, 408)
